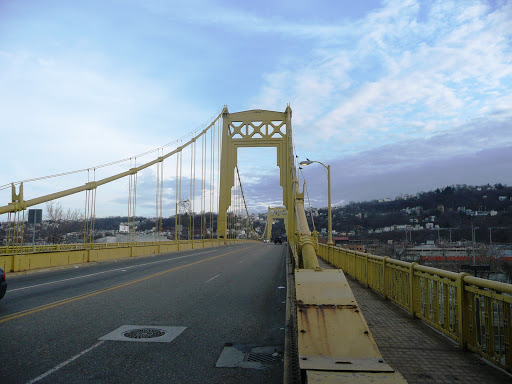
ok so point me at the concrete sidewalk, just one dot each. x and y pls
(421, 354)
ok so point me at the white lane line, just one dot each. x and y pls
(241, 261)
(64, 363)
(111, 270)
(214, 277)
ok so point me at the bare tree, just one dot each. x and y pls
(54, 211)
(506, 267)
(62, 222)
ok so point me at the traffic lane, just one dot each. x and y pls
(44, 334)
(51, 290)
(42, 290)
(240, 305)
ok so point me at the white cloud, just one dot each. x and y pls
(401, 73)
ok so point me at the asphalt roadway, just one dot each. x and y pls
(51, 321)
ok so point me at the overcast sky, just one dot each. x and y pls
(398, 96)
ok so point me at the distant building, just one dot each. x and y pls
(353, 247)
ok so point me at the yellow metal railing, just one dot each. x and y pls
(24, 258)
(10, 250)
(475, 312)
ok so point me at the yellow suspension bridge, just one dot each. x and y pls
(328, 339)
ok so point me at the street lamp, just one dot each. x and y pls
(329, 212)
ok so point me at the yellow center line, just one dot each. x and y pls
(94, 293)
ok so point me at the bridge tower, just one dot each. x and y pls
(256, 128)
(275, 213)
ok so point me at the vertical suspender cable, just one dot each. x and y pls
(212, 157)
(203, 158)
(176, 196)
(194, 191)
(134, 199)
(161, 198)
(9, 218)
(157, 191)
(219, 152)
(219, 147)
(86, 212)
(130, 179)
(190, 235)
(93, 215)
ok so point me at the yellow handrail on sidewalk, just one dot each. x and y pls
(475, 312)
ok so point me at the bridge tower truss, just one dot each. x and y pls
(256, 128)
(275, 213)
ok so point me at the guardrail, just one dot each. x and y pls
(11, 250)
(25, 258)
(475, 312)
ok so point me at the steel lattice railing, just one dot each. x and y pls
(475, 312)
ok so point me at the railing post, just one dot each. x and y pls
(412, 309)
(384, 290)
(366, 266)
(461, 321)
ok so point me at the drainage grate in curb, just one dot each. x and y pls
(144, 333)
(249, 356)
(260, 357)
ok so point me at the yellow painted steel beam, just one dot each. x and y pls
(19, 204)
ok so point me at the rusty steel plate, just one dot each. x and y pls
(322, 377)
(361, 364)
(328, 286)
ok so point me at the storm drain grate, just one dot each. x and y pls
(249, 356)
(144, 333)
(260, 357)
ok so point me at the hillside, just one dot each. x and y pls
(451, 209)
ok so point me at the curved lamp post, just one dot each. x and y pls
(329, 212)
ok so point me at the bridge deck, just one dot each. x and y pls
(420, 353)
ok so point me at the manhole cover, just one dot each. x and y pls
(144, 333)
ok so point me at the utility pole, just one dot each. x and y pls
(473, 230)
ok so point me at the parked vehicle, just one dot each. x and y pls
(278, 240)
(3, 283)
